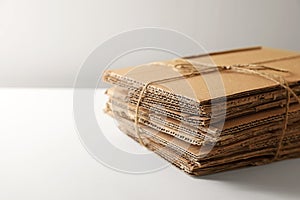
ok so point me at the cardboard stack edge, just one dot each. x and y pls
(212, 122)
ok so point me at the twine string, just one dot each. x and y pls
(191, 68)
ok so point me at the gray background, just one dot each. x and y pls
(44, 42)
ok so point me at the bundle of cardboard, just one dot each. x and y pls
(213, 112)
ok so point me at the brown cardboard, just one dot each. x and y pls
(242, 82)
(184, 130)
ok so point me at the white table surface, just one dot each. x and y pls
(41, 157)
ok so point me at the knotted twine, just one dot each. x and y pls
(188, 69)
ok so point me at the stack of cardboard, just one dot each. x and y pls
(215, 121)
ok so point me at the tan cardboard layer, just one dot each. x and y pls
(234, 108)
(224, 138)
(229, 127)
(161, 109)
(270, 134)
(195, 88)
(229, 124)
(260, 157)
(192, 120)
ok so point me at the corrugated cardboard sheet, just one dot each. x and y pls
(211, 122)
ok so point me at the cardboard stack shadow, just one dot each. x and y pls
(215, 121)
